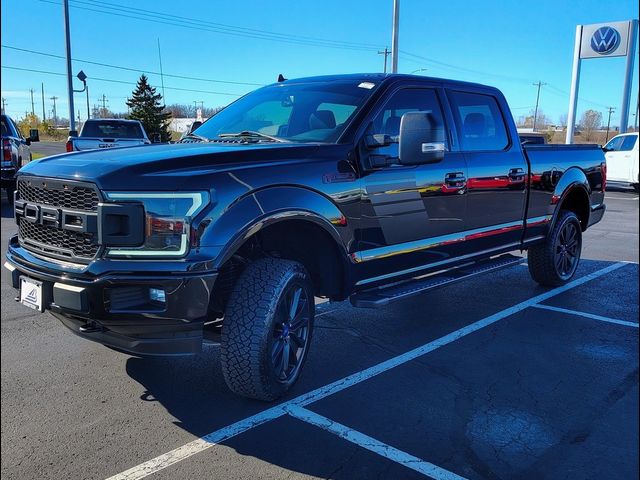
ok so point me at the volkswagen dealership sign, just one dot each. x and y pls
(604, 40)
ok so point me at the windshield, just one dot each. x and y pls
(303, 112)
(111, 129)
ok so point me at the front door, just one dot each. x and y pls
(409, 213)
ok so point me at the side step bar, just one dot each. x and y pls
(381, 296)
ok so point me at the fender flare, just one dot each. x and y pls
(572, 179)
(260, 209)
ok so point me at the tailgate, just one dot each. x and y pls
(97, 143)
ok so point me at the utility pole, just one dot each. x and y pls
(611, 110)
(33, 110)
(104, 106)
(4, 105)
(386, 53)
(394, 37)
(67, 36)
(44, 113)
(55, 112)
(539, 84)
(161, 74)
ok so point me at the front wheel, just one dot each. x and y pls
(554, 262)
(267, 328)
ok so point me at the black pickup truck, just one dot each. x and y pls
(371, 188)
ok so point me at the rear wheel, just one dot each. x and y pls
(554, 262)
(267, 328)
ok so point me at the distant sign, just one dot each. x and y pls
(605, 40)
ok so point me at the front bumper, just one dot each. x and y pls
(114, 308)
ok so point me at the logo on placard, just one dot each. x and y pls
(32, 296)
(605, 40)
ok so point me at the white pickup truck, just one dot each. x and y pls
(622, 160)
(108, 133)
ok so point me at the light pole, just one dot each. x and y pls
(394, 36)
(83, 78)
(72, 121)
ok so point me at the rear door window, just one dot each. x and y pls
(628, 142)
(480, 122)
(111, 129)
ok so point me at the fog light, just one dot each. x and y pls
(157, 295)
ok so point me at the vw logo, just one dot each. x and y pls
(605, 40)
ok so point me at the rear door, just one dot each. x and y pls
(410, 214)
(496, 184)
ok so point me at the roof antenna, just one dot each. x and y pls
(281, 78)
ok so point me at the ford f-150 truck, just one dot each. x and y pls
(108, 133)
(371, 188)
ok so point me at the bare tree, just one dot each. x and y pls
(562, 121)
(526, 121)
(590, 121)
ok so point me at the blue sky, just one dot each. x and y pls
(509, 44)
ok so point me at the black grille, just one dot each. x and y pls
(71, 197)
(48, 239)
(55, 242)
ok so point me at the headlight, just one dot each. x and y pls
(167, 222)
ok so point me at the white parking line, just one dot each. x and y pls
(587, 315)
(372, 444)
(208, 441)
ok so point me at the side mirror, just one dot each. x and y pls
(156, 138)
(422, 140)
(34, 135)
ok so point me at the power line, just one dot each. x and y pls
(149, 16)
(229, 27)
(129, 69)
(110, 80)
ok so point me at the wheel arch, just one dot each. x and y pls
(301, 226)
(572, 193)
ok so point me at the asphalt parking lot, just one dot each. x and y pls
(492, 378)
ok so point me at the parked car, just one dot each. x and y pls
(108, 133)
(622, 160)
(192, 128)
(15, 154)
(367, 187)
(532, 138)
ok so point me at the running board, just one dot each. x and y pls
(381, 296)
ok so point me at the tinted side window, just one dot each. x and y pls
(481, 124)
(628, 142)
(407, 100)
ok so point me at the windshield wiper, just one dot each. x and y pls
(197, 137)
(254, 134)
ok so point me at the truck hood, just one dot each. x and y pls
(164, 166)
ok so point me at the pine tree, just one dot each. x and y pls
(146, 106)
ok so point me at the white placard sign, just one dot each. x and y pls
(605, 40)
